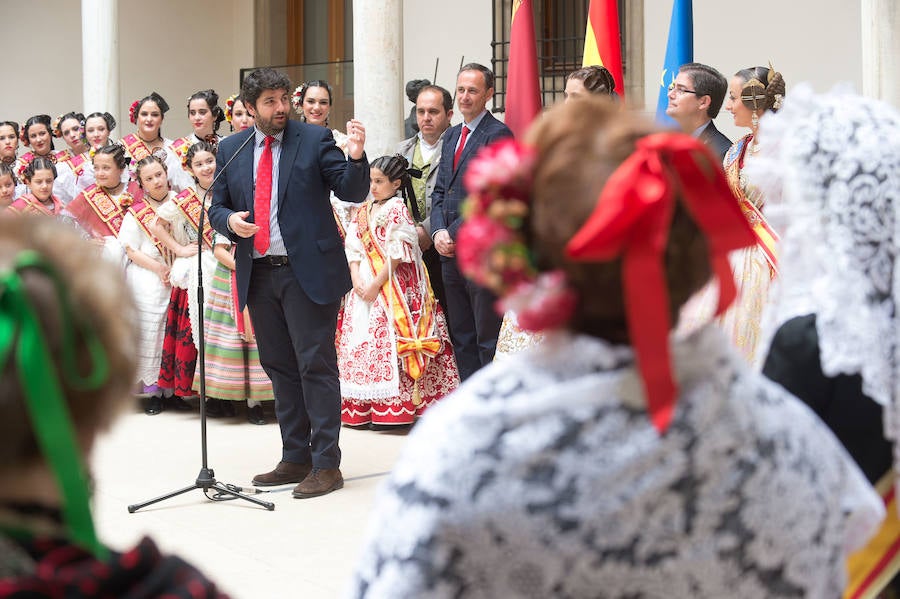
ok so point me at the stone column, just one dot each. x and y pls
(880, 21)
(377, 73)
(100, 56)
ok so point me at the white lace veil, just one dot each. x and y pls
(830, 165)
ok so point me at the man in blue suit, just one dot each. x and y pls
(474, 323)
(273, 202)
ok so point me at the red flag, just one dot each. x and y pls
(602, 40)
(523, 90)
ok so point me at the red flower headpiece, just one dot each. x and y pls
(632, 220)
(133, 112)
(492, 247)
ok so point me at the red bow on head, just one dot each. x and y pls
(632, 220)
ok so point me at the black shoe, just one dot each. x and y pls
(179, 404)
(213, 407)
(255, 415)
(153, 405)
(228, 409)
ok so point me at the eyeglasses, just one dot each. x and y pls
(680, 90)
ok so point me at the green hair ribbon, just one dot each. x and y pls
(22, 338)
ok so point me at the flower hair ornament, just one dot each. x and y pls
(631, 221)
(229, 107)
(54, 128)
(297, 98)
(492, 248)
(24, 345)
(133, 111)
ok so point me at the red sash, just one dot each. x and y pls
(766, 237)
(145, 214)
(416, 343)
(76, 163)
(98, 212)
(137, 149)
(28, 204)
(181, 147)
(190, 205)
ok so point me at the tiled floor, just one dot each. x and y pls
(304, 548)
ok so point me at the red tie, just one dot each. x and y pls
(462, 144)
(262, 199)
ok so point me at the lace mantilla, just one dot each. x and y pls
(543, 477)
(833, 163)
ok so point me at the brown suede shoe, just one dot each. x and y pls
(284, 473)
(320, 481)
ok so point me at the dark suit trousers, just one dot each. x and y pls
(296, 349)
(474, 323)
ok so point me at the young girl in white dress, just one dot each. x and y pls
(72, 161)
(147, 272)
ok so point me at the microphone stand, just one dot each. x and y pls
(206, 480)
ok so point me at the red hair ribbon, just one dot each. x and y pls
(632, 220)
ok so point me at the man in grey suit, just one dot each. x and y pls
(434, 109)
(695, 98)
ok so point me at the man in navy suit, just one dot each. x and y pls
(291, 268)
(695, 98)
(474, 322)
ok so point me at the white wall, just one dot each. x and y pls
(818, 41)
(448, 31)
(169, 46)
(42, 70)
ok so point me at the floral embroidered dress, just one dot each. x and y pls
(394, 354)
(543, 476)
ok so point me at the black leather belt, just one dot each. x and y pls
(272, 260)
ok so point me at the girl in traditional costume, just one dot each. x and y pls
(148, 114)
(751, 94)
(37, 135)
(237, 115)
(176, 227)
(147, 272)
(205, 116)
(8, 184)
(612, 459)
(313, 100)
(39, 176)
(97, 129)
(100, 209)
(71, 162)
(394, 353)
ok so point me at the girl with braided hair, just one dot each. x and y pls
(394, 353)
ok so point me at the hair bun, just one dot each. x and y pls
(775, 92)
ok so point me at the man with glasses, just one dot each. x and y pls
(695, 98)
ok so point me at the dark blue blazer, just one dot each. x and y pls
(716, 140)
(309, 167)
(449, 192)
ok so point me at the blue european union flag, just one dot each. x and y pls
(680, 50)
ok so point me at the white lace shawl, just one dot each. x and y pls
(833, 163)
(543, 477)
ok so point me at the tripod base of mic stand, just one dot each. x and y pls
(206, 480)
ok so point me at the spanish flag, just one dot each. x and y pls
(523, 89)
(602, 40)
